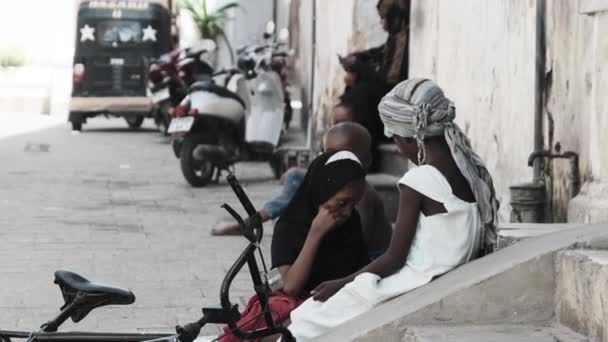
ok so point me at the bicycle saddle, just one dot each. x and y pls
(86, 296)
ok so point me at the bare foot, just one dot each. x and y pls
(226, 229)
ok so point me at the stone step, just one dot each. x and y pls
(582, 292)
(492, 333)
(514, 286)
(511, 233)
(386, 186)
(391, 162)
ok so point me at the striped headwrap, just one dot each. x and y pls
(417, 108)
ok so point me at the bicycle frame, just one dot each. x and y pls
(227, 313)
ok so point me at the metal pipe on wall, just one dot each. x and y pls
(311, 102)
(528, 200)
(541, 53)
(275, 12)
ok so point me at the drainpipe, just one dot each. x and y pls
(310, 130)
(275, 16)
(528, 200)
(539, 82)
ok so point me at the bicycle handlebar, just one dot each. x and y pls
(240, 194)
(228, 313)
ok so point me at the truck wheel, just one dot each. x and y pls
(197, 173)
(135, 122)
(77, 126)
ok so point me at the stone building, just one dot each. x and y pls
(484, 54)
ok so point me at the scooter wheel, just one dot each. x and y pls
(197, 173)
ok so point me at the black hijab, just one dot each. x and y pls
(342, 250)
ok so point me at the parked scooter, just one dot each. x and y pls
(171, 75)
(217, 126)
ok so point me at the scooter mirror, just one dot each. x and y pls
(270, 27)
(283, 35)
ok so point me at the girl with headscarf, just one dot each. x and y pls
(447, 212)
(318, 237)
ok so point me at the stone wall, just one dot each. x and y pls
(300, 26)
(577, 56)
(484, 56)
(342, 26)
(486, 64)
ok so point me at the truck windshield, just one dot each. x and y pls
(119, 33)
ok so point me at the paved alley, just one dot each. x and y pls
(111, 204)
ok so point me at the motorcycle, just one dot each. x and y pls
(82, 296)
(171, 75)
(216, 126)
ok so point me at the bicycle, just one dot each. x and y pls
(82, 296)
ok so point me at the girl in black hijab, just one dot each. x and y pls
(318, 237)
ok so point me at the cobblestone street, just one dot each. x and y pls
(111, 204)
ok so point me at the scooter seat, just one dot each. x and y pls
(218, 90)
(70, 283)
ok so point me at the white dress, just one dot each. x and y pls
(441, 243)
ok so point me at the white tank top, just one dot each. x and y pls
(442, 242)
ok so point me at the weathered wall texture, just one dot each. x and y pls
(482, 54)
(342, 26)
(581, 291)
(300, 26)
(486, 65)
(577, 59)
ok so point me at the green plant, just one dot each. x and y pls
(210, 24)
(11, 58)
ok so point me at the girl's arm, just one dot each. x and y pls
(296, 276)
(410, 204)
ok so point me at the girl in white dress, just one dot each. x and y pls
(447, 212)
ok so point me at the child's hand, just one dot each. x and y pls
(327, 289)
(324, 221)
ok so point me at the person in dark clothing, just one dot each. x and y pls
(318, 237)
(359, 68)
(360, 100)
(392, 58)
(359, 110)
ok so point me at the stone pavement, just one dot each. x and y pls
(112, 205)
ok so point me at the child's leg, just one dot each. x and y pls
(293, 178)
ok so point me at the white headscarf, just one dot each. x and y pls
(417, 108)
(341, 155)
